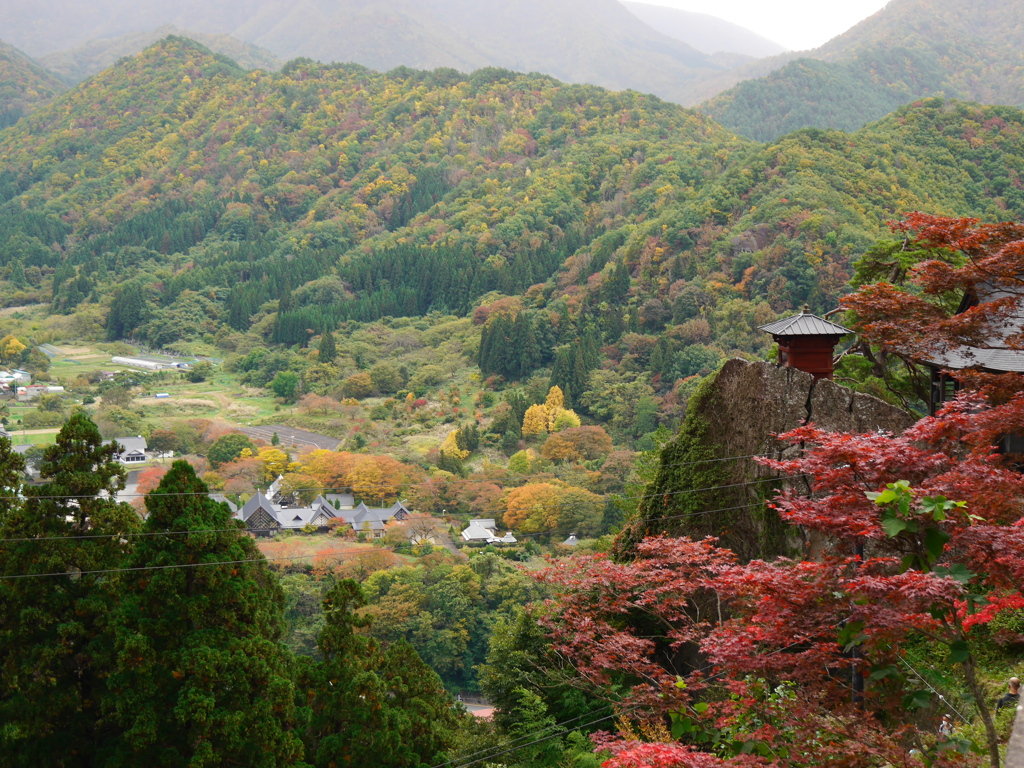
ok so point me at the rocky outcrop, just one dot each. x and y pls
(708, 482)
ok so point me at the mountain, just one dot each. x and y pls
(595, 41)
(73, 66)
(352, 195)
(909, 50)
(706, 33)
(23, 85)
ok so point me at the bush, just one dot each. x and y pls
(42, 419)
(358, 386)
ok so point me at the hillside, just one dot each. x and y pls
(594, 41)
(23, 85)
(908, 50)
(706, 33)
(179, 201)
(73, 66)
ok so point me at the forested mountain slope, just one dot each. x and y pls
(193, 198)
(594, 41)
(73, 66)
(910, 49)
(23, 84)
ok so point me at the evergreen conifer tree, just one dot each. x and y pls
(200, 678)
(328, 350)
(53, 627)
(353, 721)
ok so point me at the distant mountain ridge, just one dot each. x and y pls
(971, 49)
(73, 66)
(423, 191)
(708, 34)
(594, 41)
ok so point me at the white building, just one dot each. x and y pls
(149, 363)
(132, 449)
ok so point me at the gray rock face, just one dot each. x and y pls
(735, 417)
(751, 402)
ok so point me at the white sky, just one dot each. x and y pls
(796, 24)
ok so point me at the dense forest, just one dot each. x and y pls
(199, 188)
(23, 85)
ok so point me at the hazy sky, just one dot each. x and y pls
(796, 24)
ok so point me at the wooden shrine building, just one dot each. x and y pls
(806, 342)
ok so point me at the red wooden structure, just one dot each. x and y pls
(806, 342)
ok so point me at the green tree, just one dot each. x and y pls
(201, 677)
(286, 385)
(352, 723)
(54, 616)
(199, 372)
(228, 448)
(129, 310)
(328, 350)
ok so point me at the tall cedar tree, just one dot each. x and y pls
(368, 706)
(328, 349)
(351, 722)
(53, 627)
(201, 678)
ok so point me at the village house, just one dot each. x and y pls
(484, 531)
(132, 449)
(265, 514)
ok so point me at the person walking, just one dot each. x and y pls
(1011, 698)
(946, 726)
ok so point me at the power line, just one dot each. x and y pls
(457, 764)
(515, 746)
(118, 536)
(594, 722)
(161, 494)
(79, 573)
(393, 486)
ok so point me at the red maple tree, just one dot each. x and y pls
(803, 660)
(958, 258)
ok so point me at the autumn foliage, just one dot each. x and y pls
(961, 257)
(918, 537)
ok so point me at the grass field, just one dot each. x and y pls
(47, 438)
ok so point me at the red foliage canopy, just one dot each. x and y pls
(937, 553)
(981, 260)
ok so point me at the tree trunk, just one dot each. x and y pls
(986, 714)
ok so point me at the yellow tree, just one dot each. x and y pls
(275, 463)
(10, 349)
(555, 399)
(533, 508)
(450, 447)
(535, 421)
(366, 478)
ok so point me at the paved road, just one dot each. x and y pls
(291, 437)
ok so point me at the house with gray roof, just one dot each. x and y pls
(132, 450)
(484, 531)
(264, 517)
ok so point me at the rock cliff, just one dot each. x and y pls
(708, 483)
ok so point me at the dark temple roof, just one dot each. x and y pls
(804, 324)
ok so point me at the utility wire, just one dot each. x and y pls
(461, 764)
(924, 680)
(78, 573)
(390, 486)
(161, 494)
(118, 536)
(512, 744)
